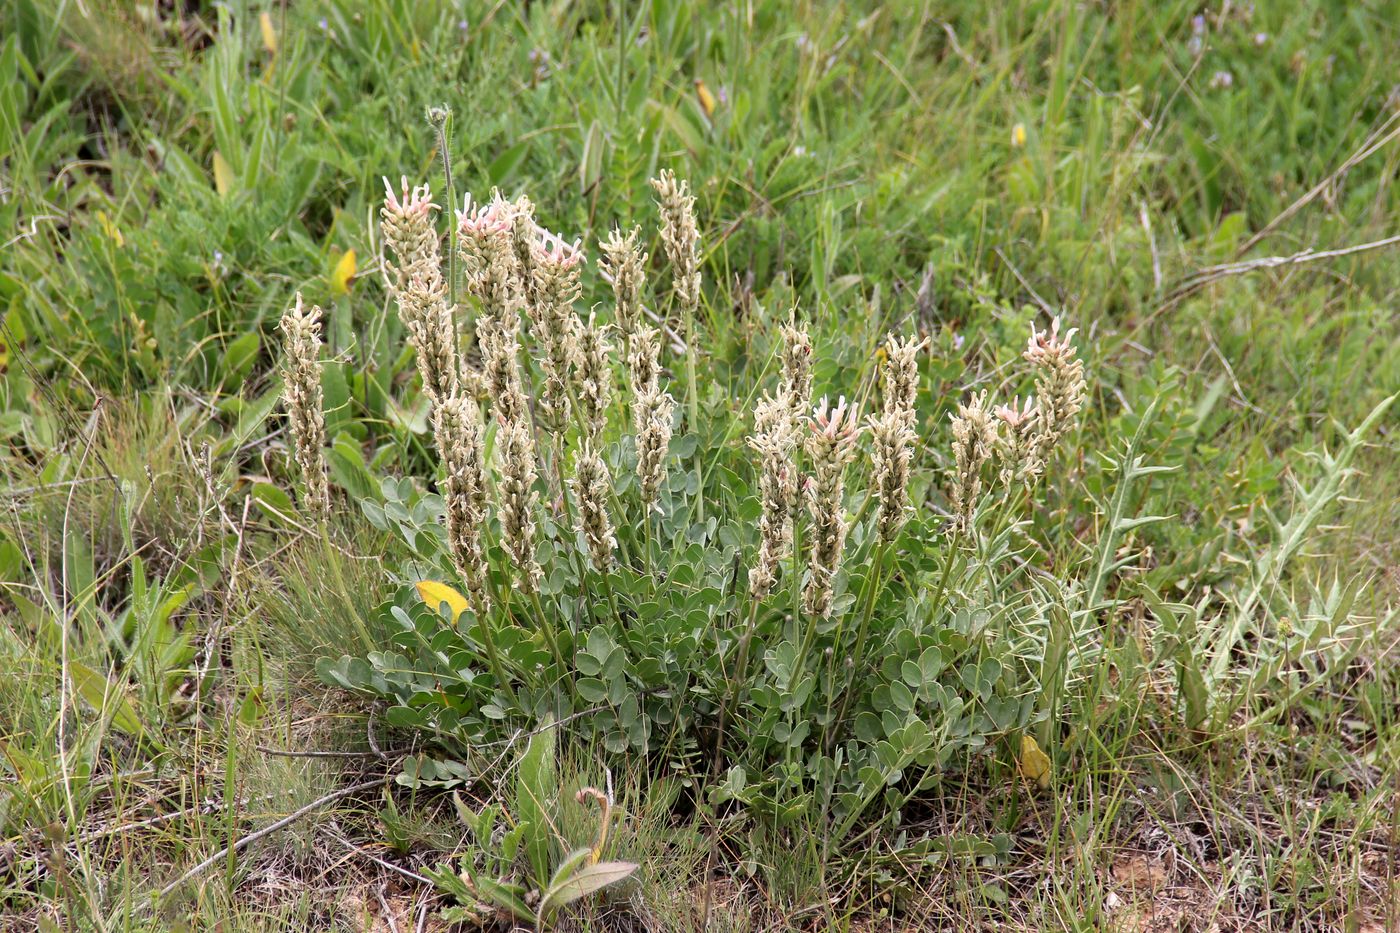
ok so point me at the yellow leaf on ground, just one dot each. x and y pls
(343, 273)
(110, 229)
(223, 175)
(269, 34)
(434, 594)
(1033, 763)
(707, 100)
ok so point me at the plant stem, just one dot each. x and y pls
(872, 589)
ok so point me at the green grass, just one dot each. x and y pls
(168, 183)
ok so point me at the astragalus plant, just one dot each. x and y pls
(815, 601)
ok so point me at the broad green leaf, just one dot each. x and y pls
(534, 788)
(583, 883)
(106, 698)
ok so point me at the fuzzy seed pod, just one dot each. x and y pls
(460, 439)
(483, 241)
(797, 366)
(831, 444)
(301, 393)
(408, 226)
(652, 414)
(974, 434)
(516, 491)
(623, 265)
(893, 452)
(553, 323)
(500, 352)
(431, 333)
(592, 485)
(595, 374)
(1059, 385)
(901, 376)
(415, 279)
(774, 439)
(524, 240)
(1017, 447)
(680, 237)
(642, 362)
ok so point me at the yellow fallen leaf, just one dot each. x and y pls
(110, 228)
(707, 100)
(269, 34)
(223, 175)
(1033, 764)
(343, 273)
(434, 594)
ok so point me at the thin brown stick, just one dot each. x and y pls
(1375, 142)
(1204, 277)
(249, 839)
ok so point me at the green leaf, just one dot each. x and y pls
(239, 356)
(106, 698)
(583, 883)
(534, 788)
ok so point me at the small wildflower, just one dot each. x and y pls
(642, 361)
(652, 420)
(974, 435)
(483, 240)
(524, 240)
(409, 230)
(680, 237)
(901, 375)
(460, 440)
(516, 491)
(594, 374)
(1018, 136)
(500, 351)
(797, 364)
(774, 439)
(1222, 81)
(1016, 445)
(301, 393)
(1059, 385)
(431, 332)
(554, 326)
(623, 265)
(592, 485)
(893, 453)
(831, 444)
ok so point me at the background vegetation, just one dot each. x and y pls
(171, 174)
